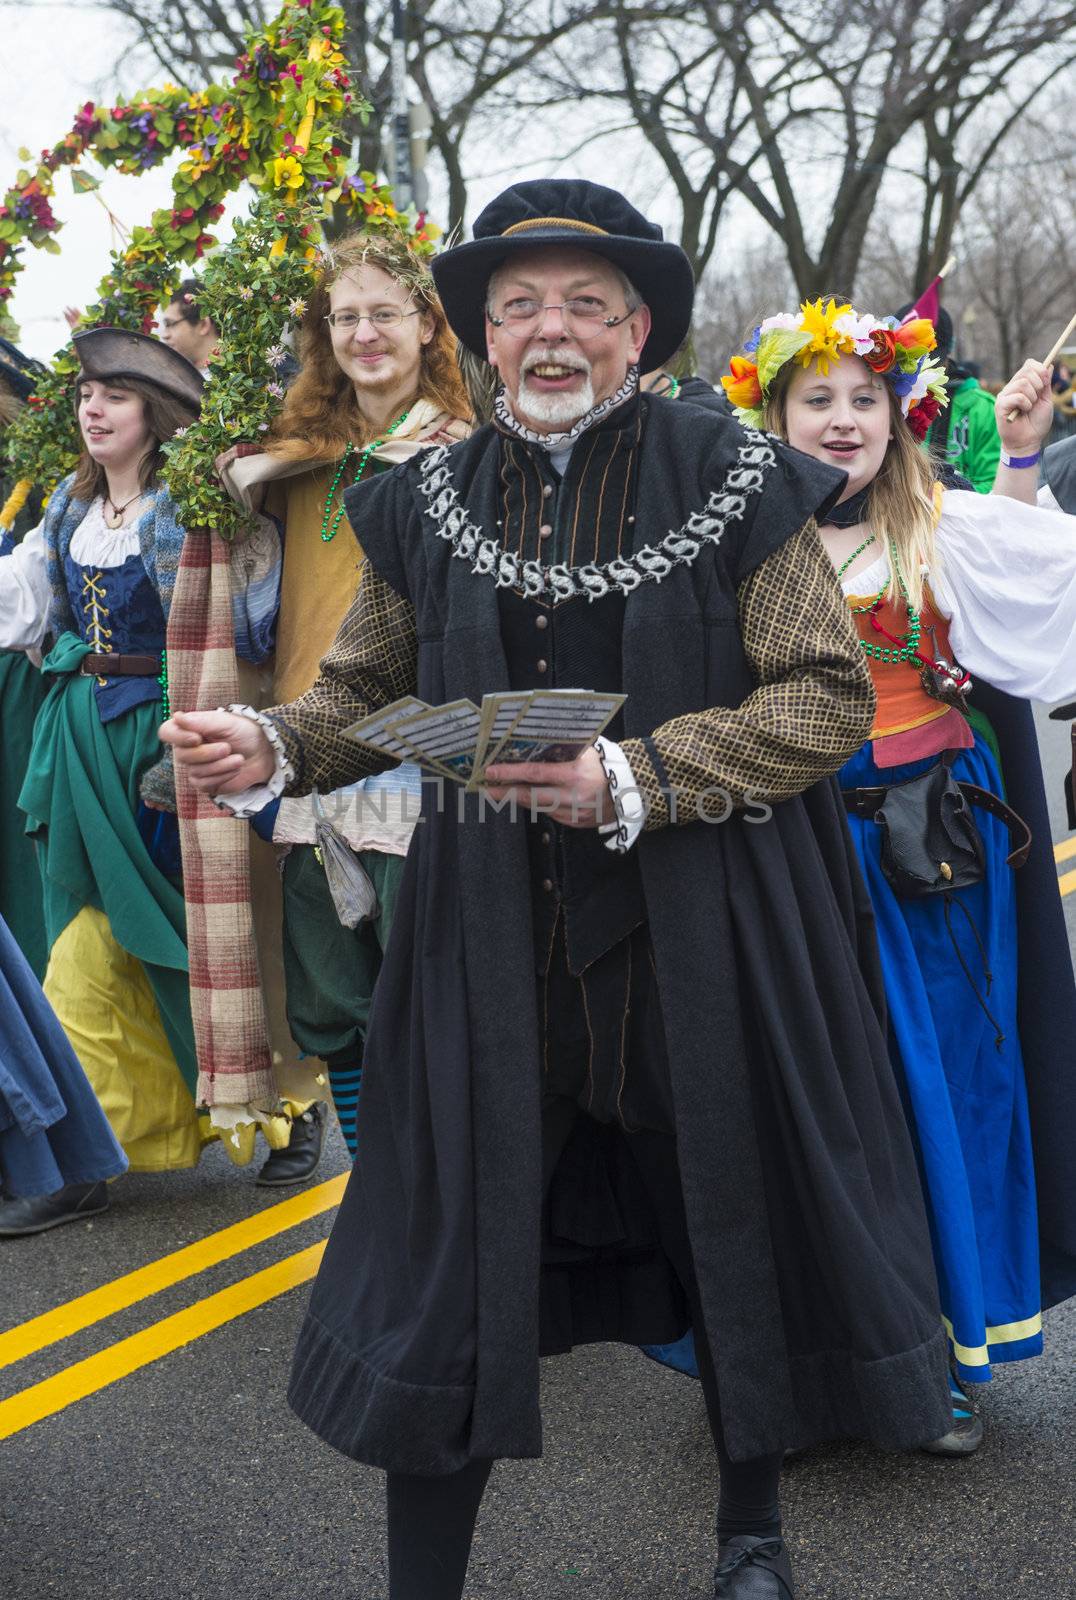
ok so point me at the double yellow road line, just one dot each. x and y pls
(118, 1360)
(1064, 852)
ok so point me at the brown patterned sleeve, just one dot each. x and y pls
(812, 709)
(372, 662)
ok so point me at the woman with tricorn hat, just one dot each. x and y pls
(98, 576)
(623, 1072)
(21, 692)
(944, 585)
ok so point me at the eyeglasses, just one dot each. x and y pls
(583, 318)
(386, 317)
(172, 322)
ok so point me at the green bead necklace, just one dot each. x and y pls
(328, 533)
(905, 648)
(162, 679)
(858, 551)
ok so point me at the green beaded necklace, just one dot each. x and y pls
(901, 649)
(329, 533)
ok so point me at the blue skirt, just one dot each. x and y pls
(963, 1088)
(964, 1094)
(52, 1130)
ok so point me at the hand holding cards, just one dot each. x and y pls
(460, 740)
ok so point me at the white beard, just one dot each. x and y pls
(553, 408)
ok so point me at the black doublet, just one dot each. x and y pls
(597, 894)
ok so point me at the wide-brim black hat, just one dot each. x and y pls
(585, 216)
(114, 353)
(18, 373)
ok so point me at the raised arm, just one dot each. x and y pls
(812, 709)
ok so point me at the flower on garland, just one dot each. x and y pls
(287, 173)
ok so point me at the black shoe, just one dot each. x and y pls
(36, 1213)
(299, 1158)
(750, 1568)
(966, 1434)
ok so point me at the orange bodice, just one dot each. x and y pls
(903, 703)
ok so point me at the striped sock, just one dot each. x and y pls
(344, 1083)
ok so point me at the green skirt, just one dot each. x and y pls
(22, 689)
(81, 799)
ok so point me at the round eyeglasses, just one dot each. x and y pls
(385, 317)
(582, 318)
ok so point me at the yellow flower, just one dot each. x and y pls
(827, 342)
(287, 173)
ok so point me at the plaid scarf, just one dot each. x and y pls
(228, 1004)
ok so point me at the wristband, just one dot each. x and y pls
(1020, 461)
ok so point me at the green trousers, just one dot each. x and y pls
(330, 970)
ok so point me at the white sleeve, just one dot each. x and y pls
(25, 594)
(1006, 579)
(627, 800)
(1047, 499)
(246, 803)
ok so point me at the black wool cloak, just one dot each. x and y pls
(420, 1348)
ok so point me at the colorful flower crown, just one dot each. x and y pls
(897, 351)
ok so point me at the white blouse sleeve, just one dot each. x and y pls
(25, 594)
(1006, 579)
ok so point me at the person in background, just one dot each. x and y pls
(965, 434)
(57, 1151)
(676, 381)
(185, 330)
(22, 689)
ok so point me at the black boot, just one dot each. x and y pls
(299, 1158)
(749, 1568)
(35, 1213)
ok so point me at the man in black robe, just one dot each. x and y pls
(625, 1074)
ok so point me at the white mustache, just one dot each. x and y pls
(553, 356)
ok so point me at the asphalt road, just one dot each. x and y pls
(190, 1478)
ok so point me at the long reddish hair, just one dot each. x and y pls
(320, 415)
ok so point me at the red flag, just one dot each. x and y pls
(929, 303)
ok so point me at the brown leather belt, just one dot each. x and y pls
(866, 802)
(120, 666)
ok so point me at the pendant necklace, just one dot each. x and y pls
(328, 532)
(115, 520)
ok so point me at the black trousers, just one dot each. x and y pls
(431, 1520)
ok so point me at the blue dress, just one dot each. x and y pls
(955, 1047)
(955, 1044)
(52, 1130)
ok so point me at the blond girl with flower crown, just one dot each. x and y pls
(946, 586)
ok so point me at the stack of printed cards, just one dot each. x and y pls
(461, 740)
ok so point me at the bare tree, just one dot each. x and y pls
(806, 108)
